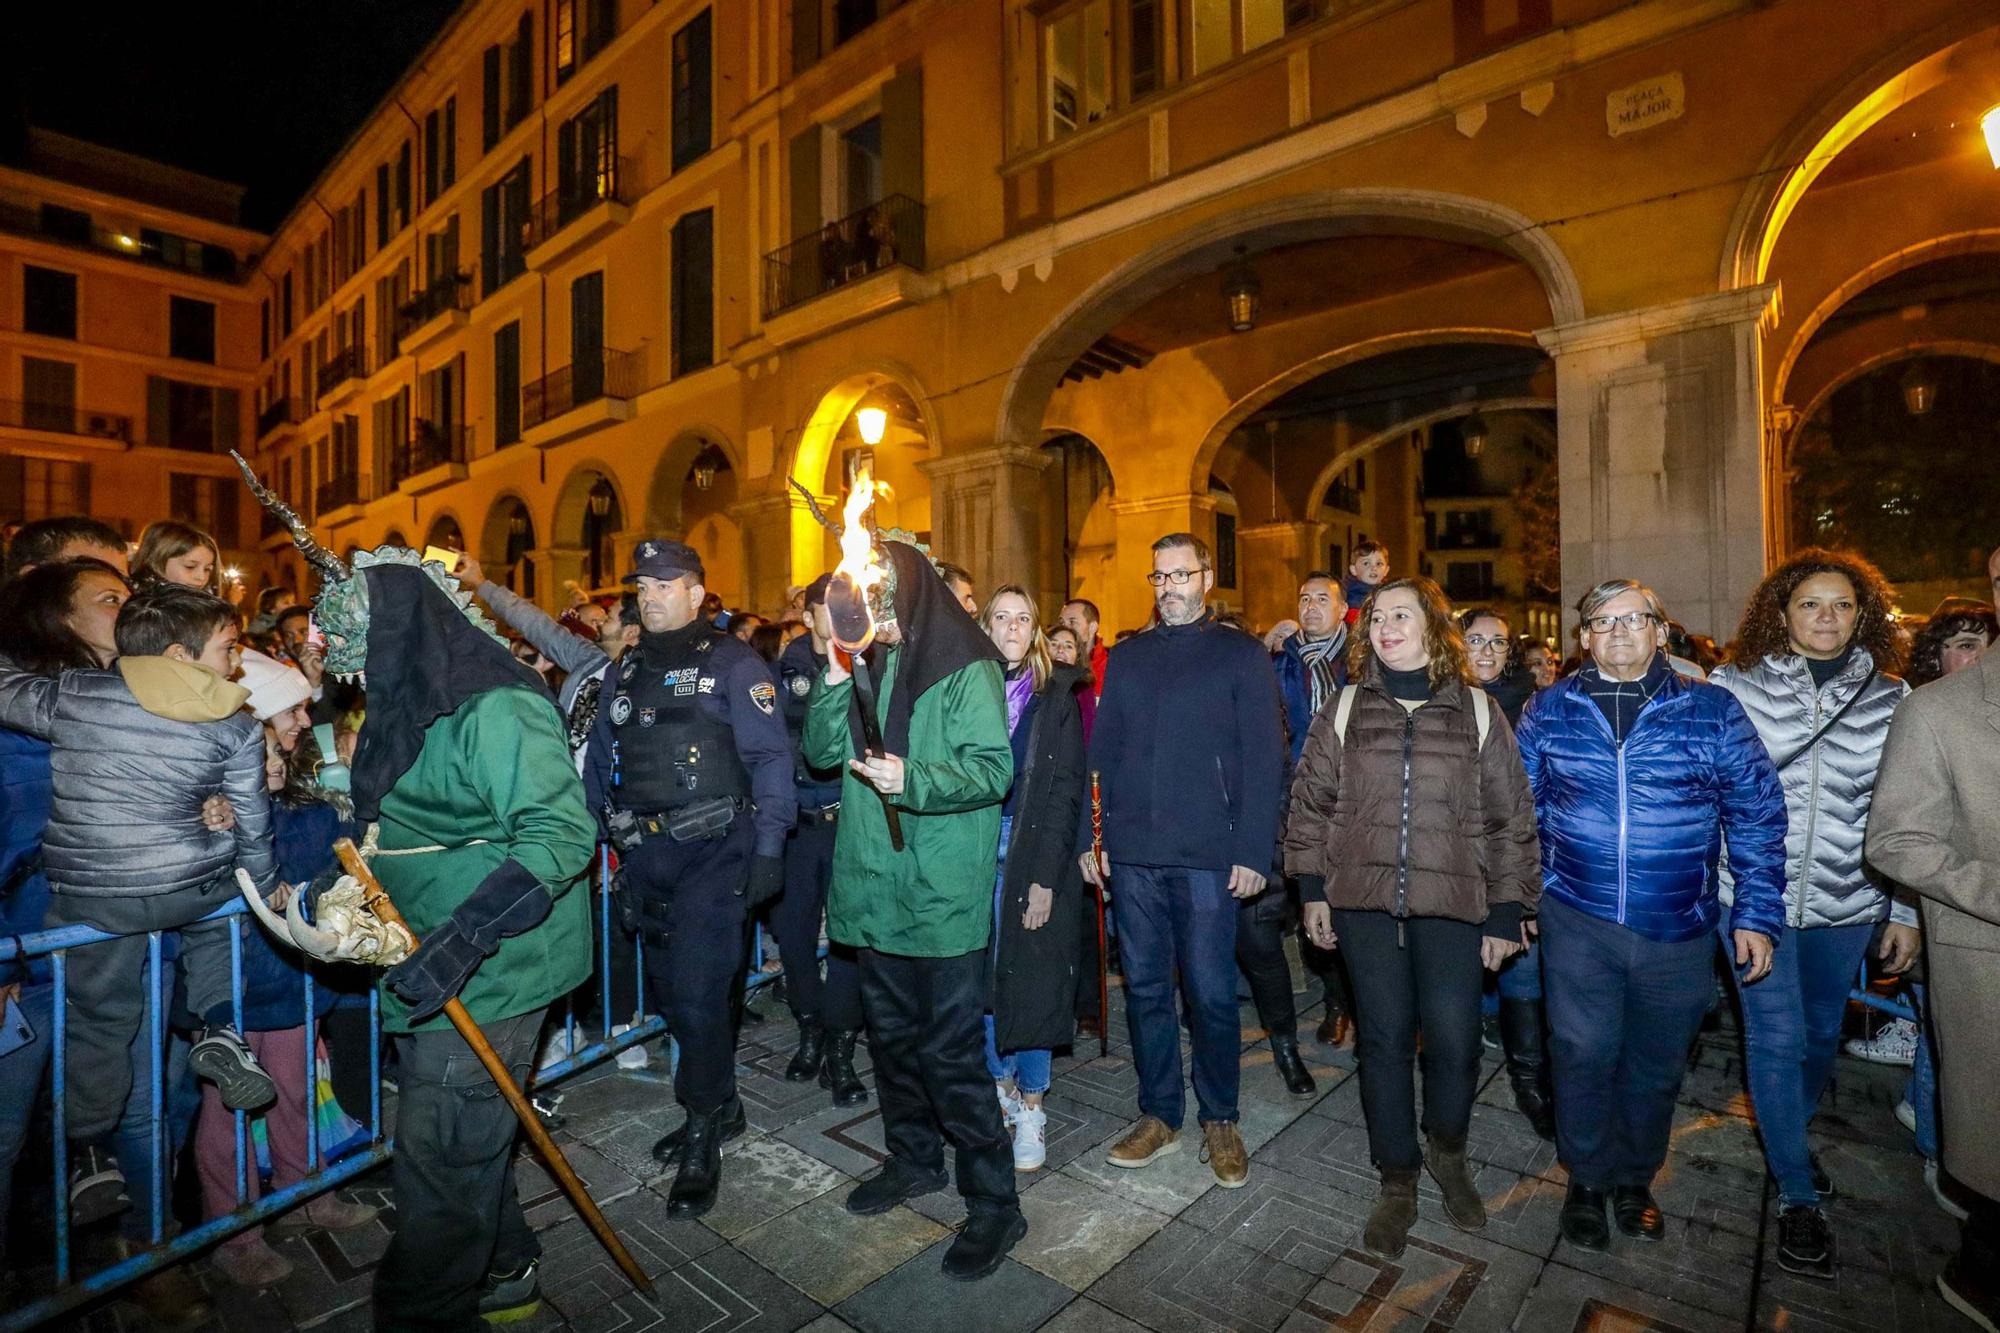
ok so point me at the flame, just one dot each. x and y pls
(858, 559)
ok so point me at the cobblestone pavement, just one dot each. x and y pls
(1162, 1248)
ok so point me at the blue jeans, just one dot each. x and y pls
(1029, 1071)
(1521, 978)
(1177, 919)
(21, 1075)
(1921, 1093)
(1791, 1032)
(132, 1141)
(1623, 1011)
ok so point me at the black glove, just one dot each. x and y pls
(767, 880)
(507, 902)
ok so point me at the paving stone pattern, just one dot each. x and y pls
(1110, 1251)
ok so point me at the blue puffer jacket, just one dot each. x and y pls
(1295, 690)
(26, 792)
(1632, 834)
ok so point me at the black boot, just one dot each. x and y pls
(838, 1071)
(1582, 1220)
(730, 1122)
(693, 1192)
(983, 1243)
(811, 1053)
(1285, 1055)
(1522, 1036)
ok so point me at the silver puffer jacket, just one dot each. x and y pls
(1827, 792)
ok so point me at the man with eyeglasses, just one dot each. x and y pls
(1640, 776)
(1190, 756)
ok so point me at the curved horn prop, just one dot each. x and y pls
(321, 944)
(331, 568)
(258, 907)
(813, 505)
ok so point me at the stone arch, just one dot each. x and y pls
(1976, 351)
(1265, 394)
(1347, 457)
(444, 525)
(569, 539)
(1899, 75)
(1307, 216)
(507, 558)
(835, 401)
(662, 514)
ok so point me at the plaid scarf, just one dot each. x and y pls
(1322, 659)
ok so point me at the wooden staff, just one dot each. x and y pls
(377, 900)
(1103, 962)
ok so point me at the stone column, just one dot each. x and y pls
(554, 565)
(1274, 557)
(783, 544)
(986, 513)
(1660, 445)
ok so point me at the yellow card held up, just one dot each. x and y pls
(448, 558)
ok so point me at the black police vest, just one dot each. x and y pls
(671, 752)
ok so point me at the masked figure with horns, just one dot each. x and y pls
(912, 888)
(478, 831)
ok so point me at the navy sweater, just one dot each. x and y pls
(1189, 750)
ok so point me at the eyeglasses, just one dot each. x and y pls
(1178, 577)
(1497, 642)
(1632, 620)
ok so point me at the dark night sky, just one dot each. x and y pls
(262, 94)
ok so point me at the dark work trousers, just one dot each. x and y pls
(1623, 1011)
(927, 1033)
(1260, 952)
(795, 922)
(106, 1003)
(1427, 979)
(1176, 920)
(458, 1216)
(691, 913)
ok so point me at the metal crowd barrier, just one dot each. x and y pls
(72, 1291)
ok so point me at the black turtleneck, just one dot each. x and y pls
(1825, 670)
(1412, 685)
(670, 645)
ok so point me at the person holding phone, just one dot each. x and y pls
(1640, 776)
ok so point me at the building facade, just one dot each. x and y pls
(1111, 268)
(128, 343)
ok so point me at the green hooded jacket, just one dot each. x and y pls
(934, 899)
(494, 781)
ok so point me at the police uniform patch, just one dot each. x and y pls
(621, 710)
(628, 669)
(646, 717)
(683, 680)
(708, 685)
(801, 687)
(765, 695)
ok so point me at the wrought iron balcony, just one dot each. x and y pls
(448, 292)
(610, 374)
(349, 363)
(339, 492)
(432, 446)
(280, 412)
(66, 419)
(1343, 497)
(880, 236)
(615, 182)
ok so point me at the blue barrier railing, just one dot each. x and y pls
(71, 1292)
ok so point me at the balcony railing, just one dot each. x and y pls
(66, 419)
(611, 374)
(432, 446)
(1467, 539)
(615, 182)
(1343, 497)
(281, 412)
(859, 245)
(339, 491)
(349, 363)
(76, 228)
(451, 291)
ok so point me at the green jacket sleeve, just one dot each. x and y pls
(825, 742)
(976, 766)
(515, 743)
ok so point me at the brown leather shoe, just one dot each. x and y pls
(1150, 1139)
(1222, 1148)
(1335, 1030)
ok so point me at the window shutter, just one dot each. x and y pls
(489, 102)
(805, 183)
(228, 419)
(489, 239)
(227, 506)
(693, 92)
(692, 299)
(157, 416)
(805, 34)
(523, 71)
(13, 486)
(450, 141)
(903, 135)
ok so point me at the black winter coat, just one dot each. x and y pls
(1035, 973)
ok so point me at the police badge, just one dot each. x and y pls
(765, 695)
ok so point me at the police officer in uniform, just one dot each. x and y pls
(829, 1012)
(691, 769)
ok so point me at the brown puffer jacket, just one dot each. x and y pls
(1412, 815)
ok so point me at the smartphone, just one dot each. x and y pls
(314, 639)
(15, 1030)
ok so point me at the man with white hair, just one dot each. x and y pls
(1639, 773)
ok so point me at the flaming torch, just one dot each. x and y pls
(859, 573)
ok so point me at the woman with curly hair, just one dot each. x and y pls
(1955, 635)
(1811, 665)
(1412, 838)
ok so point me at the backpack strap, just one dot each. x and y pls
(1482, 713)
(1343, 709)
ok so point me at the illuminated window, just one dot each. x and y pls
(1076, 67)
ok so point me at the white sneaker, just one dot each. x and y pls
(1894, 1043)
(1906, 1116)
(1944, 1200)
(632, 1057)
(560, 1046)
(1011, 1104)
(1029, 1149)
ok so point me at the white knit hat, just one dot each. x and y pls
(273, 686)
